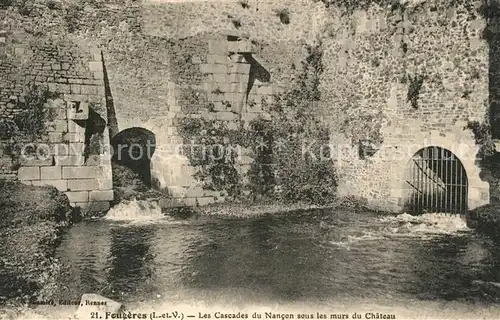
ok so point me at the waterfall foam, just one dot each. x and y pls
(427, 223)
(135, 210)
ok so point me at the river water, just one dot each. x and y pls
(423, 267)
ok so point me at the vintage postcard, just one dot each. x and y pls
(249, 159)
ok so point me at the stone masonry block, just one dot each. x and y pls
(217, 46)
(98, 75)
(264, 90)
(60, 149)
(205, 68)
(83, 184)
(55, 137)
(58, 126)
(238, 58)
(194, 192)
(240, 47)
(230, 96)
(242, 68)
(76, 88)
(50, 173)
(189, 202)
(101, 195)
(60, 185)
(213, 68)
(28, 173)
(32, 161)
(77, 196)
(98, 160)
(203, 201)
(177, 192)
(240, 87)
(89, 90)
(73, 137)
(78, 110)
(105, 184)
(76, 127)
(219, 78)
(95, 66)
(226, 116)
(79, 172)
(237, 77)
(218, 59)
(76, 149)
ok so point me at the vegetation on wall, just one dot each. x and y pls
(212, 148)
(35, 115)
(31, 122)
(302, 167)
(482, 135)
(291, 153)
(414, 87)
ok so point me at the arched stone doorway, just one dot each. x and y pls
(437, 182)
(134, 149)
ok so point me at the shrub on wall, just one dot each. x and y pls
(31, 122)
(212, 148)
(34, 116)
(302, 167)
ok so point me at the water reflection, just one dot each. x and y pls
(314, 256)
(130, 260)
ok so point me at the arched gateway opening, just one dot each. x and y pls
(437, 182)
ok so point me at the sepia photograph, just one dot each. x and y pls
(249, 159)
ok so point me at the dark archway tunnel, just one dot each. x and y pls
(134, 148)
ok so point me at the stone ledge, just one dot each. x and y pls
(60, 185)
(28, 173)
(83, 184)
(77, 196)
(102, 195)
(79, 172)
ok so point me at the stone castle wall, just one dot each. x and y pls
(63, 159)
(395, 78)
(377, 55)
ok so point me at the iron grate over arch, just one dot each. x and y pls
(437, 182)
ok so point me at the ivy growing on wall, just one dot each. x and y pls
(212, 149)
(30, 124)
(302, 169)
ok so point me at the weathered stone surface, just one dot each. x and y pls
(73, 137)
(79, 172)
(101, 195)
(204, 201)
(55, 137)
(29, 161)
(50, 173)
(28, 173)
(76, 127)
(69, 160)
(77, 110)
(76, 148)
(77, 196)
(61, 185)
(82, 184)
(58, 125)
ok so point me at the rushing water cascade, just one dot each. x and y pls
(421, 267)
(135, 210)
